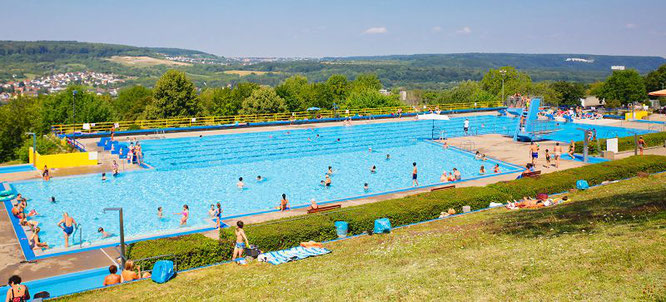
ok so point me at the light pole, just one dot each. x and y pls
(122, 235)
(34, 147)
(73, 106)
(503, 73)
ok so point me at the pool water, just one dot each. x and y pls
(200, 171)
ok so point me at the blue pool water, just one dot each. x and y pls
(200, 171)
(16, 168)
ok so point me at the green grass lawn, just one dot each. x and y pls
(608, 244)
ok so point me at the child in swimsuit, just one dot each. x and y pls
(185, 213)
(241, 241)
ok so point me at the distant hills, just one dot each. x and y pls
(27, 59)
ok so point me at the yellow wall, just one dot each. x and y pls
(64, 160)
(639, 115)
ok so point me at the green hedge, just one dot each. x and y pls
(190, 250)
(197, 250)
(625, 143)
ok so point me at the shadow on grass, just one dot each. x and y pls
(634, 208)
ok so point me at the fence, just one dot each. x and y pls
(181, 122)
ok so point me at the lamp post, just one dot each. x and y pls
(34, 147)
(73, 106)
(503, 73)
(122, 234)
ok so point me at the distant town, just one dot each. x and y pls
(102, 83)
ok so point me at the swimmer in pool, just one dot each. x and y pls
(240, 183)
(330, 171)
(259, 178)
(497, 169)
(373, 169)
(366, 187)
(327, 181)
(103, 176)
(388, 156)
(212, 211)
(67, 225)
(103, 233)
(159, 212)
(184, 215)
(482, 170)
(370, 150)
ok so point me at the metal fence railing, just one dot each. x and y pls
(181, 122)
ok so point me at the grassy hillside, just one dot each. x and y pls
(427, 71)
(607, 244)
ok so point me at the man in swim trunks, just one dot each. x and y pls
(67, 225)
(557, 152)
(641, 144)
(415, 171)
(534, 152)
(241, 241)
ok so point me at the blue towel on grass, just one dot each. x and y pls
(292, 254)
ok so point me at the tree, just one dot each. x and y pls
(366, 81)
(370, 98)
(131, 102)
(296, 92)
(656, 79)
(75, 105)
(627, 86)
(545, 90)
(338, 86)
(514, 82)
(263, 100)
(16, 118)
(570, 93)
(174, 95)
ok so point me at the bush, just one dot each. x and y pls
(625, 143)
(198, 250)
(189, 251)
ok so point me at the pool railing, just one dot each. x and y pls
(285, 117)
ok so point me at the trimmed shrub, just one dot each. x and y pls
(625, 143)
(189, 251)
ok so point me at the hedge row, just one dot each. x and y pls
(197, 250)
(625, 143)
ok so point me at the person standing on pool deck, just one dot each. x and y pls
(67, 225)
(557, 152)
(641, 144)
(534, 152)
(466, 126)
(415, 181)
(241, 241)
(572, 148)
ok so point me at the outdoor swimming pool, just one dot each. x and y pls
(200, 171)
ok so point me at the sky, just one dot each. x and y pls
(301, 28)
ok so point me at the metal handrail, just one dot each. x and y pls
(258, 118)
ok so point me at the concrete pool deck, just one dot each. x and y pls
(494, 146)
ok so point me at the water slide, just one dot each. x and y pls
(527, 122)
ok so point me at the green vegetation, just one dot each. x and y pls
(627, 86)
(188, 251)
(607, 244)
(624, 143)
(289, 232)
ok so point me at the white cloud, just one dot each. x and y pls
(436, 29)
(630, 25)
(464, 31)
(375, 30)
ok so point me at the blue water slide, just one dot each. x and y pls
(527, 118)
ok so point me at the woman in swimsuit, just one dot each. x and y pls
(17, 292)
(284, 203)
(35, 242)
(67, 225)
(45, 173)
(219, 214)
(572, 148)
(185, 214)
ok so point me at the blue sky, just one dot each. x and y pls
(346, 28)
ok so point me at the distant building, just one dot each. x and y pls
(384, 92)
(617, 67)
(403, 95)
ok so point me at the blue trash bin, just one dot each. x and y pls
(382, 225)
(341, 228)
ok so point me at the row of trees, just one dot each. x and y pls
(174, 95)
